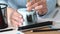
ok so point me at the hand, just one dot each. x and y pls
(15, 18)
(38, 5)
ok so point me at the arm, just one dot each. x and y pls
(42, 7)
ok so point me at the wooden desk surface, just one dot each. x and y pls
(47, 32)
(50, 32)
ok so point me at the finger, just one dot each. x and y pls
(19, 18)
(33, 1)
(21, 22)
(42, 12)
(16, 18)
(29, 8)
(37, 0)
(30, 3)
(36, 4)
(14, 23)
(17, 14)
(44, 9)
(38, 7)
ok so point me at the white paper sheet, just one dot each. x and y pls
(56, 18)
(12, 32)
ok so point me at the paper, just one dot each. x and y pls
(54, 16)
(12, 32)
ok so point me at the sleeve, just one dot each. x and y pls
(51, 4)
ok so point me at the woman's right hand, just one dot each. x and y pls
(15, 17)
(39, 5)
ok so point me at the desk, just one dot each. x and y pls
(28, 32)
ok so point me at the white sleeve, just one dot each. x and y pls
(3, 1)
